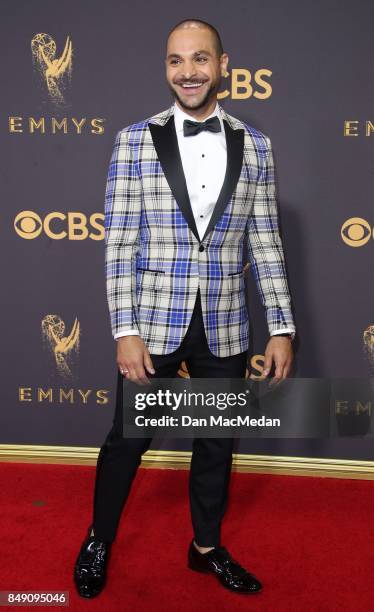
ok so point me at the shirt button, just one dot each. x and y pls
(201, 248)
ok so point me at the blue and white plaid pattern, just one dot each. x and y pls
(153, 264)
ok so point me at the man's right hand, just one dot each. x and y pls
(133, 355)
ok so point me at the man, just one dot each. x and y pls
(187, 189)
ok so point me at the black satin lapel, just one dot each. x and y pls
(235, 149)
(166, 144)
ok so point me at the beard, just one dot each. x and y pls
(195, 104)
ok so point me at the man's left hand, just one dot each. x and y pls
(278, 350)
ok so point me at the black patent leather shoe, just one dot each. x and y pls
(228, 571)
(91, 566)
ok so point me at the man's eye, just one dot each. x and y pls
(175, 61)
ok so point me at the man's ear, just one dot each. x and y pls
(224, 60)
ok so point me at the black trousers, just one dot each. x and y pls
(210, 470)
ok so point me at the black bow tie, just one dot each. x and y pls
(194, 127)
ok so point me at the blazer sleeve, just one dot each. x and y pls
(265, 249)
(121, 230)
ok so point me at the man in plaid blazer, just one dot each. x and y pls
(183, 199)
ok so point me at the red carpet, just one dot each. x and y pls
(309, 540)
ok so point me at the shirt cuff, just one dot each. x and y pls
(285, 330)
(129, 332)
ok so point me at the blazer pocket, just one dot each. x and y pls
(150, 279)
(150, 270)
(236, 280)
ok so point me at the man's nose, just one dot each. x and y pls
(188, 70)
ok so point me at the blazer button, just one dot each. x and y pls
(201, 248)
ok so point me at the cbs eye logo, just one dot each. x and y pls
(58, 226)
(356, 232)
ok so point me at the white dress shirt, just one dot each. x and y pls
(204, 158)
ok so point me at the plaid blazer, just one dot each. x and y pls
(154, 258)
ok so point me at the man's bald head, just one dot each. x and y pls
(200, 24)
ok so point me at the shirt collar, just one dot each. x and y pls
(180, 116)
